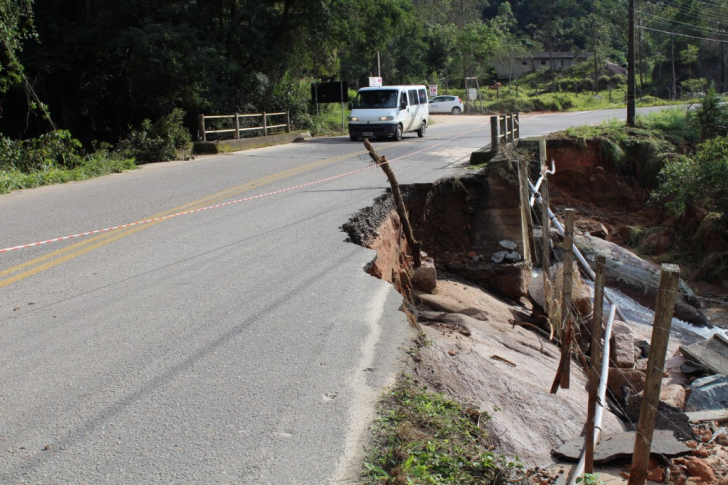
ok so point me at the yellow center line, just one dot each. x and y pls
(83, 247)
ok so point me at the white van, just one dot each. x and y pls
(389, 111)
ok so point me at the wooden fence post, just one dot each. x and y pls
(503, 130)
(595, 359)
(493, 134)
(288, 121)
(517, 123)
(563, 374)
(669, 278)
(265, 124)
(236, 125)
(509, 127)
(201, 121)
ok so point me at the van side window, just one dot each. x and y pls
(413, 97)
(423, 96)
(403, 98)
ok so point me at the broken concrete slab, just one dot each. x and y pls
(708, 393)
(668, 417)
(710, 415)
(711, 353)
(616, 446)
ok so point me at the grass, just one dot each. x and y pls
(93, 166)
(427, 438)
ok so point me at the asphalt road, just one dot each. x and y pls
(240, 344)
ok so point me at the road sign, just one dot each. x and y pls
(472, 94)
(375, 82)
(433, 89)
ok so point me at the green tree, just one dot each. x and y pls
(16, 25)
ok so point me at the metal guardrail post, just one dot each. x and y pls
(265, 124)
(288, 121)
(236, 125)
(493, 134)
(201, 121)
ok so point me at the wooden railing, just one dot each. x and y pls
(504, 129)
(236, 128)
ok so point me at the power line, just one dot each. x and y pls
(680, 35)
(692, 26)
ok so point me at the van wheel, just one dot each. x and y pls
(398, 133)
(423, 128)
(353, 137)
(455, 110)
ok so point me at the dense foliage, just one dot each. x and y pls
(103, 67)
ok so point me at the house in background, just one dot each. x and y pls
(538, 61)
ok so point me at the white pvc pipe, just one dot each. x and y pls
(585, 266)
(601, 396)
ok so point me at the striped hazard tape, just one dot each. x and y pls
(224, 204)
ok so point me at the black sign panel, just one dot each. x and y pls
(330, 92)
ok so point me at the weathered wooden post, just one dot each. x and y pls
(236, 125)
(509, 127)
(493, 134)
(201, 121)
(545, 243)
(517, 123)
(669, 278)
(595, 359)
(265, 124)
(288, 121)
(503, 130)
(563, 374)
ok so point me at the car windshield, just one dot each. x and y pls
(381, 98)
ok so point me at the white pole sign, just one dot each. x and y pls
(375, 82)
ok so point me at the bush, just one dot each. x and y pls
(701, 179)
(712, 116)
(618, 80)
(57, 149)
(166, 139)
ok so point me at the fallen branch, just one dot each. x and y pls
(401, 209)
(498, 357)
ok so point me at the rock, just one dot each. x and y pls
(425, 277)
(673, 395)
(601, 232)
(644, 346)
(615, 446)
(711, 353)
(513, 257)
(621, 350)
(555, 235)
(510, 245)
(641, 365)
(708, 393)
(620, 378)
(722, 439)
(512, 281)
(498, 257)
(698, 468)
(452, 353)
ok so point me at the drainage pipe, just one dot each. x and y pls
(601, 396)
(577, 253)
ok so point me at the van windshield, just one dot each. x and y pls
(381, 98)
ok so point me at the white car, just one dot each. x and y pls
(446, 104)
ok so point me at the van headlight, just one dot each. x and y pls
(386, 118)
(353, 118)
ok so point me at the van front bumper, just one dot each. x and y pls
(372, 130)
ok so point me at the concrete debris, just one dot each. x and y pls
(616, 446)
(601, 232)
(510, 245)
(710, 415)
(668, 417)
(711, 353)
(708, 393)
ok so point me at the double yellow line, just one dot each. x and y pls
(60, 256)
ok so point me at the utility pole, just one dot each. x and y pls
(379, 65)
(631, 106)
(722, 68)
(672, 53)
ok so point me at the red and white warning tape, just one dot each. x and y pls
(193, 211)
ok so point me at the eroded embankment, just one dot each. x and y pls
(475, 350)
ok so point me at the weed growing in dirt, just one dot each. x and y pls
(428, 438)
